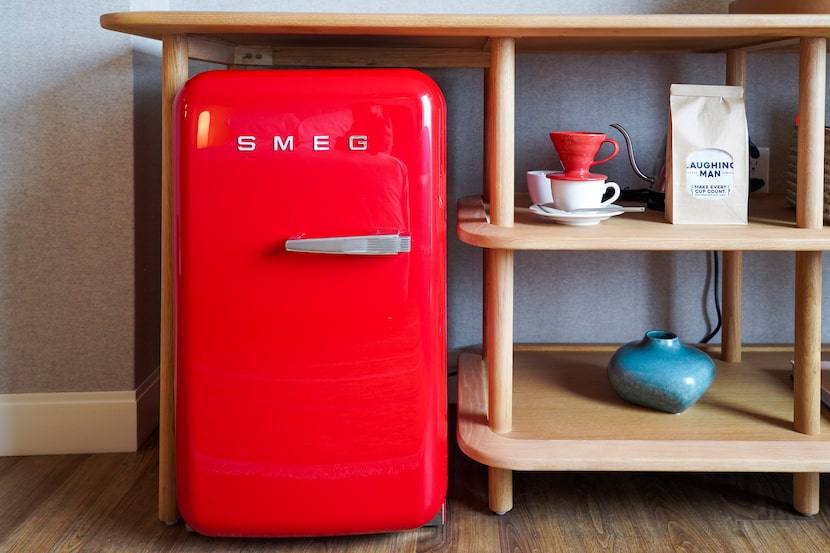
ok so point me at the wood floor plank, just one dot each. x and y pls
(123, 516)
(62, 521)
(786, 537)
(470, 524)
(104, 508)
(25, 483)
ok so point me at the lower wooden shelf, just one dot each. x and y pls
(566, 417)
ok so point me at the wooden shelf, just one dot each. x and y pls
(651, 33)
(564, 419)
(771, 228)
(567, 417)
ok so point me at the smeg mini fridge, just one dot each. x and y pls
(310, 301)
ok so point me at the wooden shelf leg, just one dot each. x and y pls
(174, 75)
(811, 110)
(485, 194)
(732, 307)
(499, 301)
(501, 122)
(806, 383)
(808, 270)
(500, 369)
(806, 492)
(500, 341)
(731, 337)
(501, 490)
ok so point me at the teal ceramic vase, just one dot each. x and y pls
(661, 372)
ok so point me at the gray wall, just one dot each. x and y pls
(67, 271)
(79, 178)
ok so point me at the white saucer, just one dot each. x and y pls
(581, 218)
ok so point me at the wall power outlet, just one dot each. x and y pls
(759, 168)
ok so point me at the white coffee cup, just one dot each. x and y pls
(538, 185)
(569, 195)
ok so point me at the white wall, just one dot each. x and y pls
(79, 181)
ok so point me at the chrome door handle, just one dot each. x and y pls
(372, 244)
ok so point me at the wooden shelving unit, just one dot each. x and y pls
(549, 408)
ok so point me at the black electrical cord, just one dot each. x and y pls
(716, 273)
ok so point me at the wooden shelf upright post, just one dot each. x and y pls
(731, 337)
(174, 75)
(499, 303)
(807, 390)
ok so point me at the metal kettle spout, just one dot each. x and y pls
(630, 149)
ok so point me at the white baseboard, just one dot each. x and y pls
(78, 422)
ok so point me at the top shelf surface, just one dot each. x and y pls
(771, 228)
(698, 33)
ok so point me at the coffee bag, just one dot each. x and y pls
(707, 156)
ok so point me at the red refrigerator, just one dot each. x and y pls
(310, 289)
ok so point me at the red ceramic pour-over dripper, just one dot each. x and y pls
(577, 151)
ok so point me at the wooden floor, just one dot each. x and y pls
(103, 503)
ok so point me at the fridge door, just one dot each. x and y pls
(310, 302)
